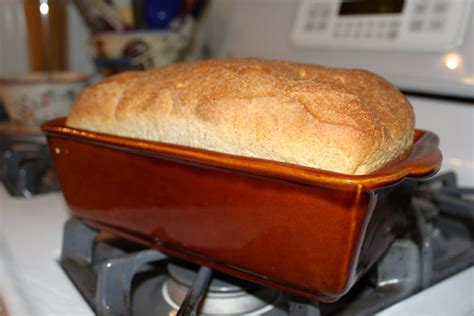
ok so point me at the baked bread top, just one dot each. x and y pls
(346, 121)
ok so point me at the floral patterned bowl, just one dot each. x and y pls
(115, 52)
(32, 99)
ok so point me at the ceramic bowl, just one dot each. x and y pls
(32, 99)
(115, 52)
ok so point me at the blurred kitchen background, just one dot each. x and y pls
(422, 46)
(422, 42)
(58, 35)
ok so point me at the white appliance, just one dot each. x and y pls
(424, 60)
(31, 280)
(389, 25)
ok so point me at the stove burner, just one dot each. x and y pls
(225, 295)
(124, 279)
(117, 277)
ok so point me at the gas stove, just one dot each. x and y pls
(119, 278)
(427, 269)
(116, 277)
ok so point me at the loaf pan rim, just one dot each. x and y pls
(421, 161)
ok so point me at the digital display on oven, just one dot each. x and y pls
(354, 7)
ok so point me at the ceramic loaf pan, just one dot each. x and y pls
(306, 231)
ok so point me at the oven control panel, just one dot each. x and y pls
(427, 25)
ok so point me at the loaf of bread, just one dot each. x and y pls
(346, 121)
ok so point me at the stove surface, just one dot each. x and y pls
(31, 280)
(33, 283)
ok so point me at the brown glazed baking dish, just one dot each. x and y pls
(306, 231)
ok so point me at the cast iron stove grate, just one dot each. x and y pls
(120, 278)
(26, 167)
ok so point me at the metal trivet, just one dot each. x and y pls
(120, 278)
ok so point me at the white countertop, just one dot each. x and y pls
(32, 282)
(453, 297)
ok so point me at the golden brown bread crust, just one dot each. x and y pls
(347, 121)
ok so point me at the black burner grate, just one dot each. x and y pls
(26, 167)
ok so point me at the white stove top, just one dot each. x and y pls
(32, 282)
